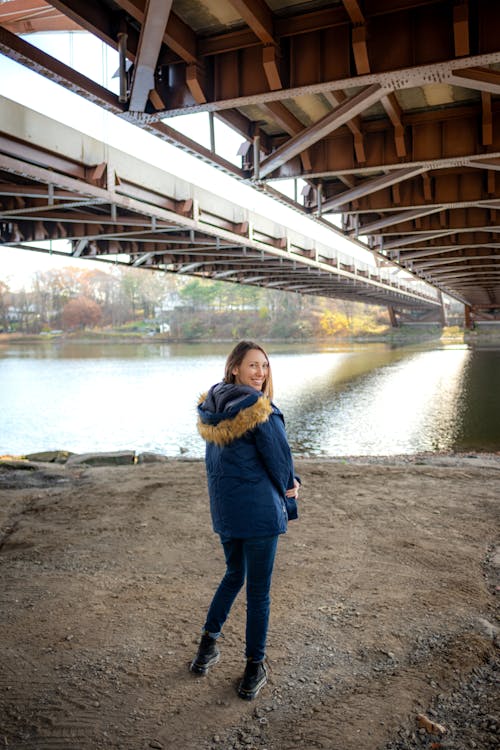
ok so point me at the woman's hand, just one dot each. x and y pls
(294, 491)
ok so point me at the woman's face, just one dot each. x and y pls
(252, 370)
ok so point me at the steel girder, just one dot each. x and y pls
(108, 205)
(387, 108)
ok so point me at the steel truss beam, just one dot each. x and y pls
(388, 109)
(154, 230)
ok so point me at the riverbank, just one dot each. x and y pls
(405, 334)
(384, 604)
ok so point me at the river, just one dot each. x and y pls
(338, 400)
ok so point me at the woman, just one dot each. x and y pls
(250, 473)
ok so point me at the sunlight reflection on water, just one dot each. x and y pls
(405, 405)
(358, 400)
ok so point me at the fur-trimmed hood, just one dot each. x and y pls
(228, 411)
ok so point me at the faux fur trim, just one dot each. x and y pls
(230, 429)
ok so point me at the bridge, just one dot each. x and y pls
(59, 184)
(387, 110)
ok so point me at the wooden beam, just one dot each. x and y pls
(340, 115)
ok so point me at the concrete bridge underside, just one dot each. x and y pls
(59, 184)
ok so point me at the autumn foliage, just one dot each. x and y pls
(358, 321)
(81, 313)
(133, 301)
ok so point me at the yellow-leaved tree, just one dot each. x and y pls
(334, 323)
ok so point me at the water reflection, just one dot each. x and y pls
(480, 424)
(351, 400)
(403, 403)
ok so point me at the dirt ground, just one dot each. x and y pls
(385, 596)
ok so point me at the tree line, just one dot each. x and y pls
(134, 301)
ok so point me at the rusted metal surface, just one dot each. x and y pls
(388, 109)
(107, 205)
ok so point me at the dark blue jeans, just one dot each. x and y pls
(254, 559)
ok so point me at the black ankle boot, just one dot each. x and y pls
(254, 678)
(208, 655)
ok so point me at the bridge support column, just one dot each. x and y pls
(392, 317)
(442, 311)
(403, 317)
(469, 323)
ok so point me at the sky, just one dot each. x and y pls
(98, 61)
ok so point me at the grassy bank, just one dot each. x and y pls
(405, 334)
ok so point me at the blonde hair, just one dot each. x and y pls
(235, 358)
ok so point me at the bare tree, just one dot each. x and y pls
(5, 299)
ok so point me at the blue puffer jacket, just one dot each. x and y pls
(248, 460)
